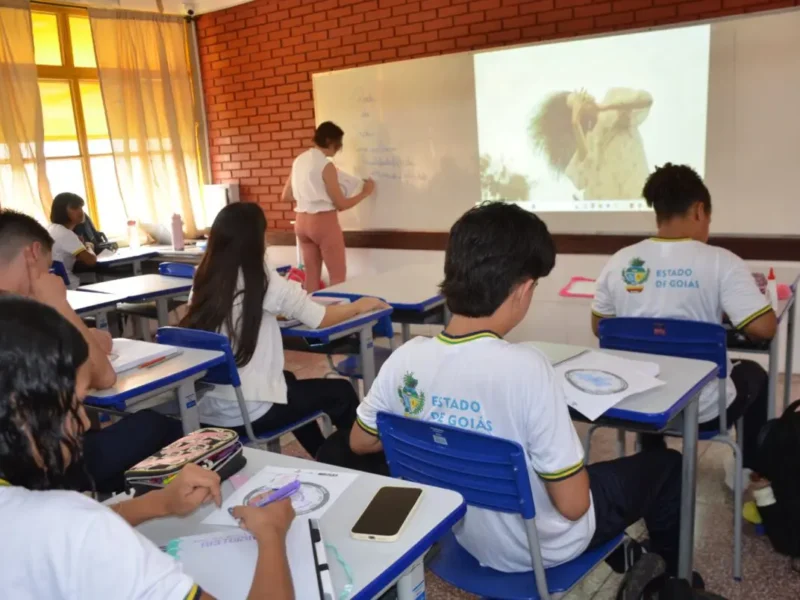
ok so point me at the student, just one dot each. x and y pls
(678, 275)
(25, 258)
(470, 377)
(63, 545)
(315, 189)
(66, 214)
(235, 293)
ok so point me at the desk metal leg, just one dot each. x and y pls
(367, 352)
(411, 585)
(162, 310)
(101, 320)
(187, 403)
(406, 331)
(689, 486)
(774, 351)
(787, 375)
(137, 267)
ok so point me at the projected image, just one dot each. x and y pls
(578, 126)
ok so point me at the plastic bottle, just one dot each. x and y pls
(133, 235)
(772, 289)
(177, 232)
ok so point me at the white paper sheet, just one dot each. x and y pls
(129, 354)
(318, 491)
(223, 563)
(594, 381)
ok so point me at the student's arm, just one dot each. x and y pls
(603, 303)
(86, 257)
(748, 309)
(49, 289)
(269, 525)
(72, 244)
(364, 434)
(338, 313)
(287, 195)
(553, 444)
(331, 179)
(192, 487)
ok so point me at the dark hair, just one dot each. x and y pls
(63, 201)
(328, 133)
(18, 230)
(492, 248)
(236, 245)
(40, 353)
(671, 190)
(552, 133)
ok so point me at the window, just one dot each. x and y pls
(77, 144)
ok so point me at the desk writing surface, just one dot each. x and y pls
(351, 325)
(680, 376)
(141, 285)
(409, 285)
(127, 254)
(81, 301)
(366, 559)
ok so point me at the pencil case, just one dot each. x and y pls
(212, 448)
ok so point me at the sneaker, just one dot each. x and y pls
(649, 568)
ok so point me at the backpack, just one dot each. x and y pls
(779, 462)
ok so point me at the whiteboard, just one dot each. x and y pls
(411, 127)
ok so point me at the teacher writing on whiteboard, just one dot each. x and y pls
(314, 187)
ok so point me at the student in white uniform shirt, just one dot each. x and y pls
(66, 214)
(314, 186)
(62, 545)
(234, 293)
(470, 377)
(678, 275)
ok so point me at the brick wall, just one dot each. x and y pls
(257, 61)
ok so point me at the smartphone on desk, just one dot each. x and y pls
(387, 514)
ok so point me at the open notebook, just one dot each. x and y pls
(135, 354)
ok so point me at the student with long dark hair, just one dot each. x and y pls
(234, 293)
(59, 544)
(65, 215)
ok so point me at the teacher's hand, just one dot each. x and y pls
(369, 186)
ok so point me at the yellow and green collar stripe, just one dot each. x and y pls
(664, 239)
(463, 339)
(195, 593)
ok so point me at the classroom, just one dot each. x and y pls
(399, 299)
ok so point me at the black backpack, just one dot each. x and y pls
(779, 461)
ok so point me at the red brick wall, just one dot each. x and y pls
(257, 61)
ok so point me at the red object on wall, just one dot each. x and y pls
(257, 60)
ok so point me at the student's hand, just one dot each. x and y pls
(47, 288)
(103, 339)
(369, 186)
(271, 520)
(368, 304)
(192, 487)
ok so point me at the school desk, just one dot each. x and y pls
(412, 291)
(375, 566)
(654, 411)
(320, 340)
(90, 304)
(178, 373)
(127, 256)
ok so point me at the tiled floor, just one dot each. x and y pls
(767, 575)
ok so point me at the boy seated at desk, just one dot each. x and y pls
(678, 275)
(496, 255)
(25, 258)
(59, 544)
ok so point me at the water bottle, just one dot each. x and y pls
(177, 232)
(133, 235)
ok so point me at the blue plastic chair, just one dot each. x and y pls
(489, 473)
(684, 339)
(228, 374)
(58, 268)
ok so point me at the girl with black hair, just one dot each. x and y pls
(598, 146)
(65, 215)
(314, 186)
(60, 544)
(235, 294)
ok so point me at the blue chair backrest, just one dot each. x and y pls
(383, 328)
(488, 472)
(224, 374)
(667, 337)
(58, 268)
(173, 269)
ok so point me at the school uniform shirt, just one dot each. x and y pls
(66, 246)
(308, 187)
(63, 545)
(262, 378)
(681, 279)
(484, 384)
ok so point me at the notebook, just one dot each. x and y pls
(132, 354)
